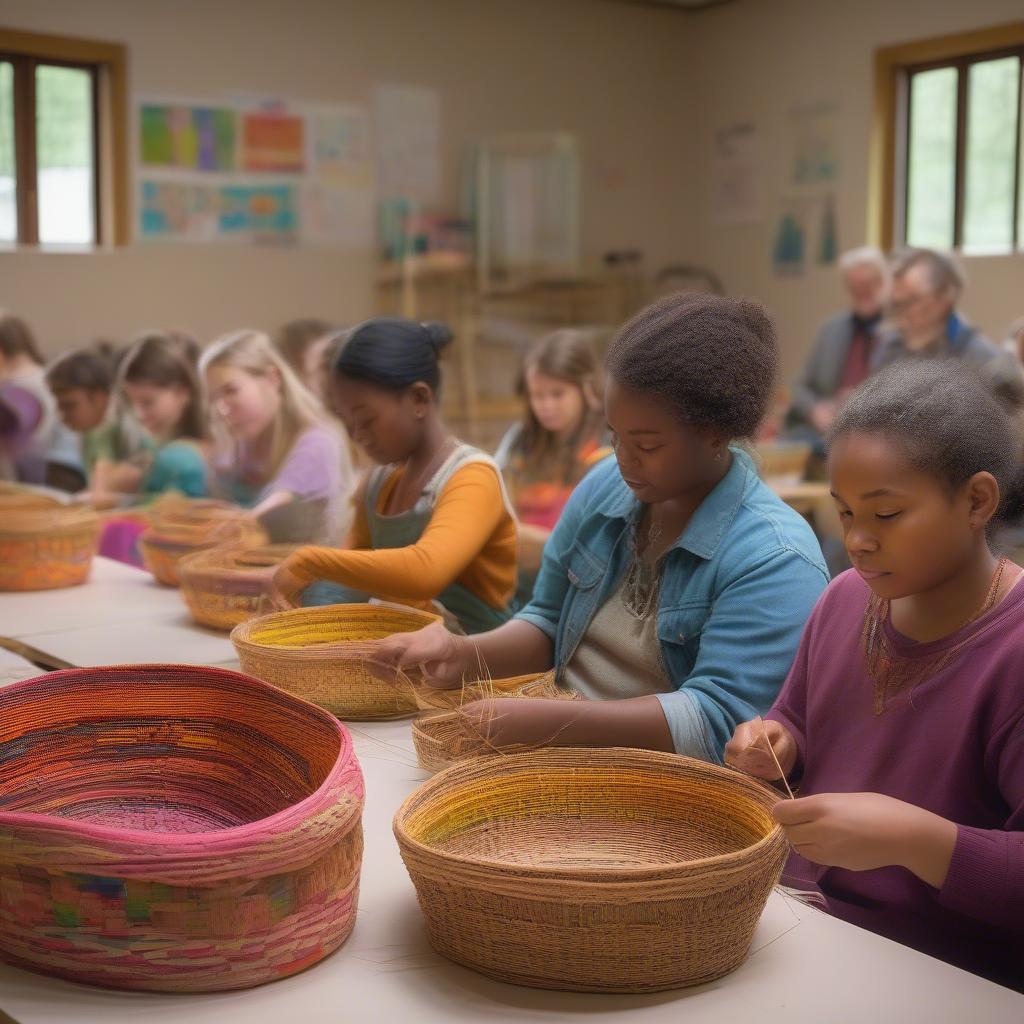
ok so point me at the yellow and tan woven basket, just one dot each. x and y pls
(592, 870)
(180, 528)
(44, 547)
(446, 736)
(224, 587)
(321, 654)
(14, 497)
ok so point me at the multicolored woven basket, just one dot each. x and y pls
(444, 737)
(179, 528)
(225, 586)
(43, 547)
(321, 654)
(608, 870)
(173, 828)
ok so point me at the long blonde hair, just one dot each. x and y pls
(255, 354)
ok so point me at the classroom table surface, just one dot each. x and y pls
(804, 965)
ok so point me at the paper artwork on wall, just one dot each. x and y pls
(736, 175)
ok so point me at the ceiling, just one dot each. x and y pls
(688, 5)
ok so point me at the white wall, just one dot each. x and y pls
(755, 61)
(604, 71)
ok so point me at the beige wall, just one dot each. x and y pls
(604, 71)
(757, 59)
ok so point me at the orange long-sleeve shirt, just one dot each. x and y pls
(470, 539)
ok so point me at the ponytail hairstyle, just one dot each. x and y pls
(254, 353)
(566, 355)
(947, 421)
(168, 359)
(17, 339)
(394, 353)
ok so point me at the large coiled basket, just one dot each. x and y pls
(43, 547)
(608, 870)
(173, 828)
(322, 654)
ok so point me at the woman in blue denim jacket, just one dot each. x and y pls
(675, 587)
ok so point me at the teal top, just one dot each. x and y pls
(177, 466)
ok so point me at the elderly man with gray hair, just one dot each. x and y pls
(844, 350)
(926, 287)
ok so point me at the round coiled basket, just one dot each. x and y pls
(596, 870)
(43, 547)
(173, 828)
(323, 655)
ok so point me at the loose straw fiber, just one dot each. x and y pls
(180, 527)
(596, 870)
(224, 586)
(173, 828)
(43, 547)
(443, 737)
(323, 655)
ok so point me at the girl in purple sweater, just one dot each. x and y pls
(902, 720)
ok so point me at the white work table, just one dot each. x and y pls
(805, 966)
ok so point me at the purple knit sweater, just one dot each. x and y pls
(953, 745)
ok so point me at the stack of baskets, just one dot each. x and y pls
(43, 544)
(322, 654)
(444, 734)
(179, 528)
(225, 586)
(174, 829)
(606, 870)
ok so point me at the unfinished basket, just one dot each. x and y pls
(784, 463)
(173, 828)
(15, 496)
(607, 870)
(321, 654)
(44, 547)
(444, 737)
(225, 586)
(180, 528)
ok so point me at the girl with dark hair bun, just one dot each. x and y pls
(433, 524)
(903, 715)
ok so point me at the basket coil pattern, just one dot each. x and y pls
(443, 737)
(224, 586)
(173, 829)
(321, 654)
(180, 528)
(607, 870)
(43, 547)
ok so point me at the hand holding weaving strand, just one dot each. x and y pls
(862, 831)
(440, 658)
(747, 751)
(286, 585)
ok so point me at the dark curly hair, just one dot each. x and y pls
(947, 421)
(713, 359)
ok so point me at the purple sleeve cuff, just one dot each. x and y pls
(986, 877)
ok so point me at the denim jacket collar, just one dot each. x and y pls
(713, 517)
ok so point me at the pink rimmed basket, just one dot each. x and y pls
(173, 828)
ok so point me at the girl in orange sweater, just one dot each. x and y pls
(433, 522)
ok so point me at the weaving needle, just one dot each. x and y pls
(771, 750)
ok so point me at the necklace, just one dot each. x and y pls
(641, 585)
(892, 673)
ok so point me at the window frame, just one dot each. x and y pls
(888, 178)
(107, 65)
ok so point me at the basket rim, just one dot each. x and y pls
(617, 874)
(173, 841)
(240, 635)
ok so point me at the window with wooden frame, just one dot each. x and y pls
(947, 161)
(63, 141)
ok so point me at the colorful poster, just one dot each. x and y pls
(814, 156)
(188, 138)
(258, 211)
(341, 144)
(337, 215)
(274, 141)
(176, 211)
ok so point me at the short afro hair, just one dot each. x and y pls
(712, 359)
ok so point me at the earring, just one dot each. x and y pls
(718, 455)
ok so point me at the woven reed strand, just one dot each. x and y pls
(45, 547)
(225, 586)
(173, 828)
(323, 654)
(592, 870)
(443, 738)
